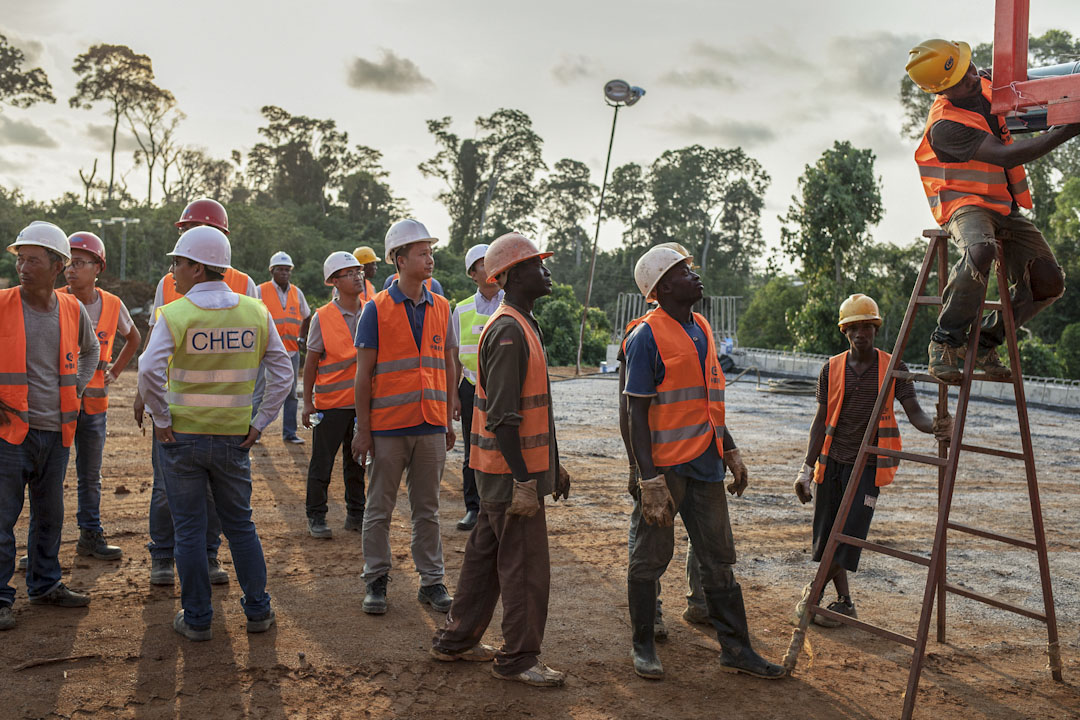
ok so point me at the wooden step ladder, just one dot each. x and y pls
(946, 461)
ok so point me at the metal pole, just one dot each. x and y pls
(596, 240)
(123, 252)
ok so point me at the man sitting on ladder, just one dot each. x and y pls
(974, 179)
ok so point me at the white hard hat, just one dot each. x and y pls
(46, 235)
(281, 258)
(205, 244)
(476, 252)
(337, 261)
(652, 266)
(405, 232)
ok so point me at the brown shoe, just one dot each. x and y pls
(945, 362)
(539, 675)
(477, 653)
(987, 361)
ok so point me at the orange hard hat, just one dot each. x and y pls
(507, 251)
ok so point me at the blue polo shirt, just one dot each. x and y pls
(436, 287)
(367, 336)
(645, 371)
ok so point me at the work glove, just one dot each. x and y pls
(524, 500)
(740, 476)
(943, 427)
(657, 505)
(803, 481)
(631, 484)
(562, 485)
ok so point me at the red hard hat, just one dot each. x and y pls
(89, 242)
(207, 211)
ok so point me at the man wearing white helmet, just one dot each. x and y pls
(40, 385)
(469, 318)
(197, 377)
(329, 372)
(407, 351)
(291, 314)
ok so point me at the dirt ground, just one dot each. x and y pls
(326, 659)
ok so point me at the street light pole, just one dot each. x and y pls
(123, 222)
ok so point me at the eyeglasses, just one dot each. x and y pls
(79, 263)
(354, 273)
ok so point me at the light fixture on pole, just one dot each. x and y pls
(124, 222)
(617, 93)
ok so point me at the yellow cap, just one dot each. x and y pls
(365, 255)
(859, 308)
(937, 65)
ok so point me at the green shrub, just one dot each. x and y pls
(559, 316)
(1038, 358)
(1068, 350)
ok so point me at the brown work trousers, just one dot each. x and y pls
(505, 554)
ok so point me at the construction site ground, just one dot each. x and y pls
(326, 659)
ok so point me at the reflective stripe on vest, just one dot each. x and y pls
(951, 186)
(237, 281)
(888, 434)
(534, 407)
(287, 319)
(687, 412)
(336, 379)
(95, 399)
(409, 384)
(13, 388)
(472, 326)
(213, 368)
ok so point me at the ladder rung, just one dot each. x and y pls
(993, 451)
(1008, 540)
(884, 549)
(926, 377)
(927, 459)
(992, 305)
(1000, 604)
(928, 300)
(895, 637)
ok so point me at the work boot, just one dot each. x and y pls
(375, 599)
(843, 605)
(262, 623)
(436, 596)
(539, 675)
(24, 562)
(800, 607)
(317, 527)
(945, 362)
(987, 361)
(355, 522)
(659, 631)
(161, 571)
(195, 634)
(469, 521)
(7, 619)
(642, 601)
(61, 596)
(92, 542)
(695, 615)
(477, 653)
(726, 608)
(218, 576)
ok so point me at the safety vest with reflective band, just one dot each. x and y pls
(688, 410)
(888, 434)
(13, 387)
(95, 398)
(951, 186)
(213, 367)
(335, 382)
(429, 282)
(237, 281)
(369, 291)
(472, 327)
(409, 385)
(287, 319)
(534, 408)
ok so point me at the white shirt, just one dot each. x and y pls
(159, 297)
(154, 362)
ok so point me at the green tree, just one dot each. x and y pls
(559, 316)
(567, 197)
(1037, 358)
(1068, 350)
(764, 324)
(628, 200)
(18, 87)
(153, 124)
(372, 206)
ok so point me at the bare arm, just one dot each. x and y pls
(640, 435)
(131, 343)
(995, 152)
(917, 415)
(453, 409)
(365, 365)
(817, 435)
(311, 371)
(624, 414)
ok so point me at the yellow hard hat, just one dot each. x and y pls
(365, 255)
(937, 65)
(859, 308)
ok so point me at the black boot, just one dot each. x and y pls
(642, 597)
(729, 618)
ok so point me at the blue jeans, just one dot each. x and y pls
(288, 410)
(191, 465)
(89, 445)
(39, 463)
(161, 520)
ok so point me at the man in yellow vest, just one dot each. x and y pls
(289, 308)
(681, 444)
(516, 457)
(329, 373)
(197, 376)
(50, 354)
(974, 179)
(847, 389)
(469, 318)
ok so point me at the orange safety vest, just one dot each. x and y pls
(951, 186)
(369, 291)
(95, 398)
(534, 407)
(336, 379)
(13, 388)
(287, 319)
(688, 410)
(888, 434)
(409, 385)
(237, 281)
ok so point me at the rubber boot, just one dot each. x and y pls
(642, 597)
(729, 618)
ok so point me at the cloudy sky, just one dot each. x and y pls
(781, 78)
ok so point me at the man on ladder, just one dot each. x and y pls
(974, 180)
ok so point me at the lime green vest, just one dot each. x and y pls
(212, 371)
(472, 324)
